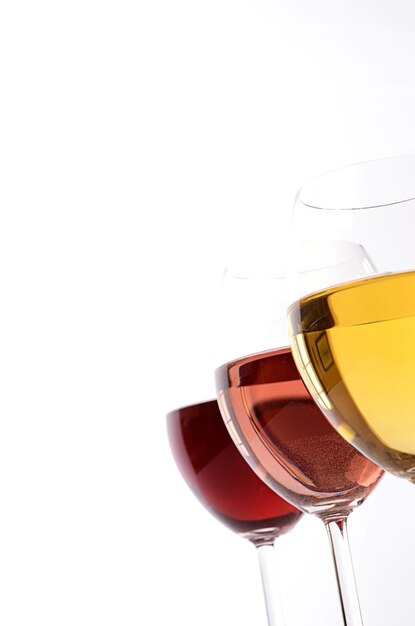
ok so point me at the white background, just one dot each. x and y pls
(141, 144)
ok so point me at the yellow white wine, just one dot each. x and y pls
(354, 345)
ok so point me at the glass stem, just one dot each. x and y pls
(269, 583)
(339, 541)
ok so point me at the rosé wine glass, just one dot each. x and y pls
(286, 439)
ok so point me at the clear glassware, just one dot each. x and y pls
(353, 337)
(221, 480)
(281, 432)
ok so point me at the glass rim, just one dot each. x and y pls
(193, 405)
(255, 356)
(357, 166)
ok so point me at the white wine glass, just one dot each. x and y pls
(353, 335)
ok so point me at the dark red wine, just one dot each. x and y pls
(221, 479)
(287, 439)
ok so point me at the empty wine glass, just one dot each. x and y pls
(286, 439)
(229, 489)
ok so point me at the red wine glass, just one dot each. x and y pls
(221, 480)
(287, 440)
